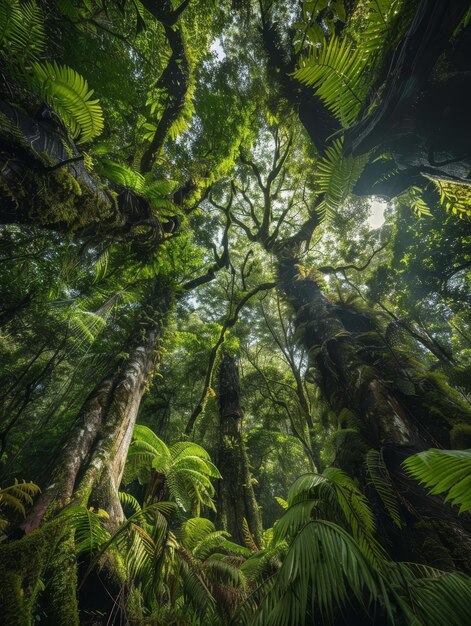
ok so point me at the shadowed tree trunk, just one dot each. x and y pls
(236, 497)
(383, 402)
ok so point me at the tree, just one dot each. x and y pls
(179, 185)
(236, 499)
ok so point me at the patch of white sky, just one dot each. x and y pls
(376, 217)
(218, 49)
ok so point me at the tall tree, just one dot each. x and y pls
(236, 503)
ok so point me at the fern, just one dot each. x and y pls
(455, 197)
(336, 176)
(90, 534)
(336, 72)
(186, 467)
(341, 71)
(67, 92)
(379, 477)
(22, 34)
(121, 174)
(444, 471)
(16, 496)
(128, 500)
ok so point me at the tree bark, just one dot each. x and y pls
(90, 465)
(236, 498)
(394, 407)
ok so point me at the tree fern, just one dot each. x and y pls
(444, 471)
(67, 92)
(185, 467)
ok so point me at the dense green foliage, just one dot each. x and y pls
(235, 335)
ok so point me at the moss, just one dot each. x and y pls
(58, 197)
(460, 436)
(22, 564)
(60, 603)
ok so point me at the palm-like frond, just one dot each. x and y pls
(430, 596)
(323, 569)
(336, 176)
(67, 92)
(444, 471)
(381, 481)
(329, 495)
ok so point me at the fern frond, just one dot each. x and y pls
(336, 72)
(379, 477)
(16, 496)
(444, 471)
(67, 92)
(90, 534)
(336, 176)
(121, 174)
(455, 197)
(22, 35)
(129, 500)
(248, 537)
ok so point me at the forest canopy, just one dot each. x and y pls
(235, 326)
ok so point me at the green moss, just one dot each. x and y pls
(52, 197)
(58, 197)
(460, 436)
(22, 564)
(60, 603)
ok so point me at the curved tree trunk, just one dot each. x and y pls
(383, 402)
(236, 497)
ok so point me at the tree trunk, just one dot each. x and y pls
(236, 497)
(87, 471)
(91, 462)
(383, 401)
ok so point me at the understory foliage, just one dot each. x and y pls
(235, 250)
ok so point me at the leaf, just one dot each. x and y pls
(336, 72)
(336, 176)
(379, 477)
(444, 471)
(67, 92)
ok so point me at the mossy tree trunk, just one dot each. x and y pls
(236, 497)
(87, 471)
(383, 401)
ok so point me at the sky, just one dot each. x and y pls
(376, 217)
